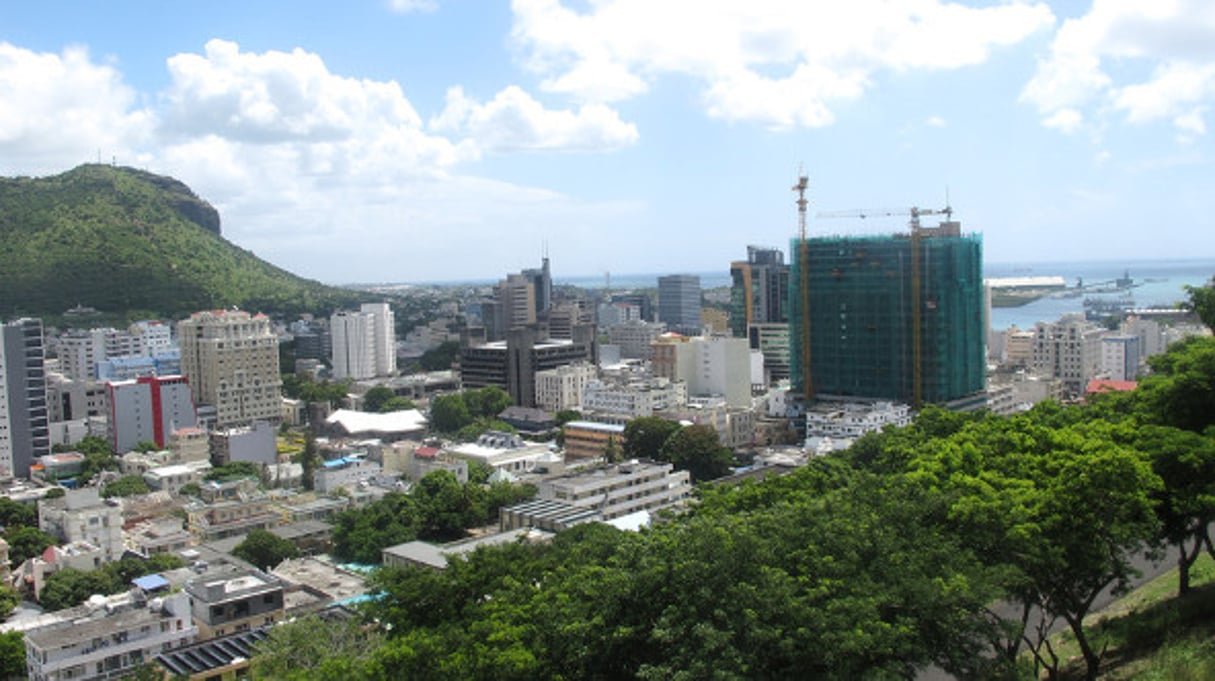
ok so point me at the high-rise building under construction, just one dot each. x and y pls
(897, 317)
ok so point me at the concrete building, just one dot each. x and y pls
(234, 602)
(634, 337)
(679, 303)
(109, 637)
(1151, 337)
(506, 452)
(847, 421)
(759, 291)
(609, 491)
(716, 366)
(364, 342)
(1019, 348)
(1070, 350)
(231, 360)
(512, 364)
(253, 444)
(82, 515)
(561, 388)
(591, 439)
(345, 472)
(623, 401)
(172, 478)
(24, 423)
(79, 352)
(164, 363)
(1120, 357)
(435, 556)
(149, 409)
(772, 341)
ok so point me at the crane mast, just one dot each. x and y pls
(803, 268)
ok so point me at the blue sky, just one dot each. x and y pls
(421, 140)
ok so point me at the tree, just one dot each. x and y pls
(696, 449)
(566, 415)
(12, 655)
(26, 542)
(488, 401)
(440, 358)
(190, 489)
(70, 587)
(645, 436)
(312, 648)
(1181, 392)
(374, 398)
(234, 470)
(480, 426)
(9, 599)
(264, 549)
(611, 451)
(1185, 504)
(1202, 302)
(127, 485)
(146, 446)
(445, 507)
(98, 456)
(449, 413)
(397, 404)
(309, 459)
(15, 513)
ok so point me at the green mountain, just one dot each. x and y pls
(122, 239)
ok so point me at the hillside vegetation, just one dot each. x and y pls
(121, 239)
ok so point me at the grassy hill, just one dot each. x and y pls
(125, 240)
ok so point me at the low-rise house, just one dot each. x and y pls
(234, 602)
(604, 493)
(82, 515)
(435, 556)
(108, 637)
(506, 451)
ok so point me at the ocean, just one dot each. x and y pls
(1161, 284)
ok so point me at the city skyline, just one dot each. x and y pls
(439, 140)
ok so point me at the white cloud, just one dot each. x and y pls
(780, 62)
(408, 6)
(514, 121)
(58, 110)
(1094, 59)
(330, 176)
(935, 122)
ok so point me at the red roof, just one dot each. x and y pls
(426, 452)
(1102, 385)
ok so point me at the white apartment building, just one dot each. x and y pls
(1151, 336)
(506, 452)
(852, 420)
(621, 489)
(364, 342)
(714, 366)
(231, 360)
(1070, 350)
(108, 638)
(149, 409)
(562, 387)
(82, 515)
(80, 351)
(634, 399)
(1120, 357)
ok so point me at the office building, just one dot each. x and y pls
(512, 364)
(634, 337)
(772, 342)
(24, 425)
(759, 290)
(716, 366)
(897, 317)
(1069, 350)
(561, 388)
(83, 516)
(679, 303)
(149, 409)
(231, 361)
(1120, 357)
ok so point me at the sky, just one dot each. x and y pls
(436, 140)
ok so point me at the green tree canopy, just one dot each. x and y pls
(696, 449)
(265, 550)
(12, 655)
(16, 514)
(441, 357)
(449, 413)
(25, 543)
(375, 397)
(311, 648)
(1202, 302)
(397, 404)
(645, 436)
(127, 485)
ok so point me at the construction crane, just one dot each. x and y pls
(914, 212)
(803, 267)
(917, 302)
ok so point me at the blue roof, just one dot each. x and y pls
(150, 582)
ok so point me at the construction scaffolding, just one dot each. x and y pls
(866, 297)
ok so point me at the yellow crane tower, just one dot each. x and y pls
(803, 268)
